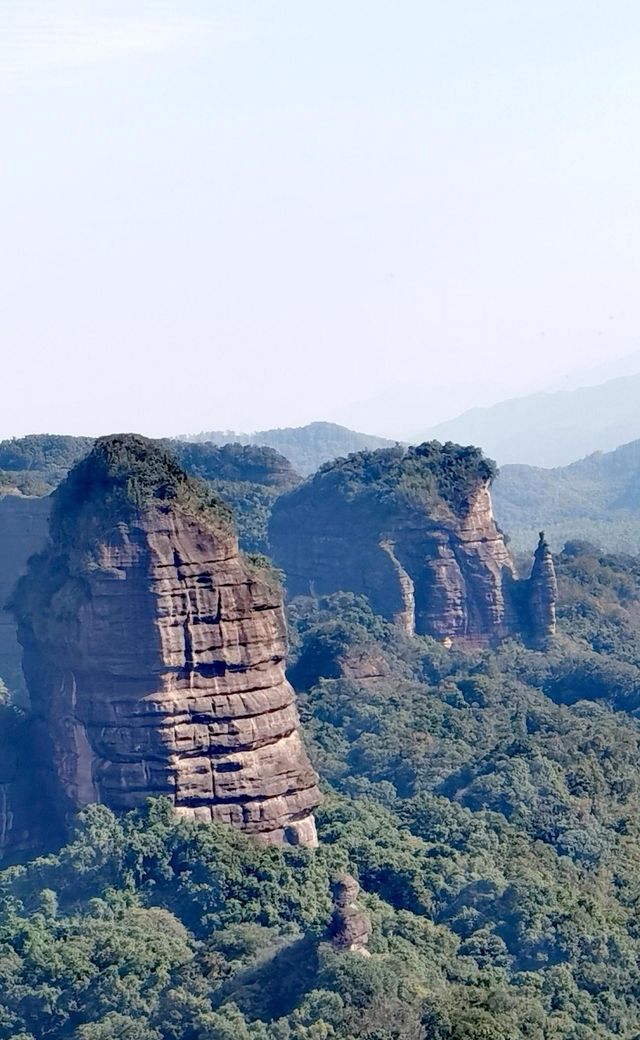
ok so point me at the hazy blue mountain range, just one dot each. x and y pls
(550, 429)
(597, 498)
(306, 447)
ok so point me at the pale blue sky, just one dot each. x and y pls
(246, 214)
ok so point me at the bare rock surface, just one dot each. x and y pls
(154, 653)
(350, 928)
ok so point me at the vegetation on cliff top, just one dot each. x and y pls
(124, 473)
(429, 475)
(247, 477)
(306, 447)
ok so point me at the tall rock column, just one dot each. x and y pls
(543, 594)
(154, 653)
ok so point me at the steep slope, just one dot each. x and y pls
(307, 447)
(154, 653)
(23, 532)
(413, 531)
(550, 429)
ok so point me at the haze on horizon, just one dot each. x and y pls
(222, 215)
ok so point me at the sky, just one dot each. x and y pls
(245, 214)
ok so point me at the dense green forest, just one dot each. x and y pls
(429, 477)
(487, 802)
(35, 465)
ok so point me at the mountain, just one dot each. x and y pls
(35, 464)
(597, 498)
(594, 375)
(154, 655)
(486, 798)
(550, 429)
(306, 447)
(412, 530)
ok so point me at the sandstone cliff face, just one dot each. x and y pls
(24, 524)
(154, 654)
(413, 530)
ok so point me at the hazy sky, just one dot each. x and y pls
(261, 212)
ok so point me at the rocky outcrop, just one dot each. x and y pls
(24, 524)
(154, 653)
(543, 594)
(412, 530)
(350, 928)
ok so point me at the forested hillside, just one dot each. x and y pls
(597, 498)
(35, 465)
(248, 477)
(306, 447)
(488, 802)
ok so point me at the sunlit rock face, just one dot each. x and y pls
(413, 530)
(154, 653)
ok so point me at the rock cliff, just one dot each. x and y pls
(413, 530)
(24, 525)
(153, 653)
(543, 594)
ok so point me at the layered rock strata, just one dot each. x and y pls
(154, 653)
(413, 531)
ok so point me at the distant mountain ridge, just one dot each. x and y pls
(600, 486)
(597, 497)
(307, 447)
(550, 429)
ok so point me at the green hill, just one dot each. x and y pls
(306, 447)
(597, 498)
